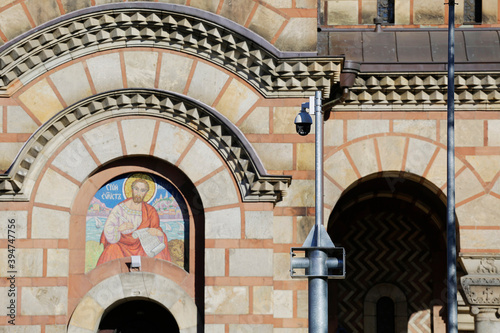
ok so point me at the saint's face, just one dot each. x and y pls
(139, 191)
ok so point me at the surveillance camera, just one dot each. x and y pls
(303, 123)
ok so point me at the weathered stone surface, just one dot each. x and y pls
(483, 211)
(340, 169)
(236, 101)
(41, 100)
(333, 132)
(490, 11)
(364, 157)
(259, 224)
(56, 190)
(266, 22)
(185, 313)
(283, 303)
(13, 21)
(302, 304)
(55, 329)
(306, 156)
(106, 72)
(430, 12)
(72, 5)
(223, 223)
(487, 166)
(215, 328)
(237, 10)
(104, 142)
(75, 160)
(466, 186)
(57, 262)
(138, 135)
(250, 328)
(282, 229)
(419, 155)
(27, 262)
(20, 218)
(263, 300)
(275, 156)
(368, 11)
(425, 128)
(215, 262)
(305, 4)
(300, 193)
(207, 83)
(44, 301)
(42, 11)
(140, 68)
(300, 34)
(360, 128)
(48, 223)
(391, 150)
(21, 329)
(86, 314)
(174, 72)
(72, 83)
(18, 121)
(493, 136)
(283, 120)
(304, 226)
(281, 267)
(219, 190)
(208, 5)
(480, 239)
(171, 142)
(402, 12)
(200, 154)
(468, 133)
(250, 262)
(342, 12)
(8, 151)
(257, 122)
(226, 300)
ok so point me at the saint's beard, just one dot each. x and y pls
(137, 198)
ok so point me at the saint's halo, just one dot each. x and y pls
(127, 186)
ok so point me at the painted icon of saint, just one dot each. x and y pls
(133, 226)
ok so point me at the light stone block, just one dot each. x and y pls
(105, 142)
(340, 169)
(226, 300)
(222, 224)
(236, 100)
(41, 100)
(402, 12)
(54, 189)
(250, 328)
(281, 269)
(27, 262)
(419, 155)
(468, 133)
(360, 128)
(302, 304)
(107, 292)
(106, 72)
(86, 313)
(282, 229)
(174, 72)
(57, 262)
(334, 132)
(306, 157)
(215, 328)
(283, 303)
(283, 120)
(44, 301)
(487, 166)
(72, 83)
(72, 5)
(437, 173)
(299, 194)
(480, 239)
(342, 12)
(8, 151)
(21, 329)
(368, 11)
(428, 12)
(275, 156)
(312, 4)
(171, 142)
(490, 11)
(207, 83)
(42, 11)
(483, 211)
(75, 160)
(424, 128)
(138, 135)
(364, 157)
(238, 10)
(263, 300)
(266, 22)
(257, 122)
(140, 68)
(186, 314)
(466, 186)
(208, 5)
(215, 262)
(494, 132)
(391, 150)
(218, 190)
(49, 223)
(290, 330)
(20, 218)
(258, 225)
(55, 329)
(250, 262)
(13, 21)
(18, 121)
(496, 187)
(200, 161)
(304, 226)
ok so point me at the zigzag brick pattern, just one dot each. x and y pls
(386, 247)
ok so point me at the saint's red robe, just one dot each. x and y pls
(128, 245)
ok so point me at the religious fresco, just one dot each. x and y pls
(136, 214)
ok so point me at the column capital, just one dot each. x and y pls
(482, 290)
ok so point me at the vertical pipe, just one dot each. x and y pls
(319, 165)
(450, 225)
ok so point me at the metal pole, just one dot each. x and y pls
(450, 225)
(318, 286)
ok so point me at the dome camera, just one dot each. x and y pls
(303, 123)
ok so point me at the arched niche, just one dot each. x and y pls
(400, 307)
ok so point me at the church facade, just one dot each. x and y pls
(152, 177)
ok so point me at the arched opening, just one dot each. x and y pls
(137, 316)
(386, 322)
(392, 228)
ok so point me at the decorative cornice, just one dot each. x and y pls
(482, 289)
(172, 27)
(253, 181)
(424, 90)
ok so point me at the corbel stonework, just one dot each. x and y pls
(481, 290)
(253, 181)
(165, 26)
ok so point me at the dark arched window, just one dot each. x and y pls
(386, 10)
(472, 11)
(386, 322)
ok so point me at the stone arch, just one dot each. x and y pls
(90, 309)
(400, 306)
(185, 115)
